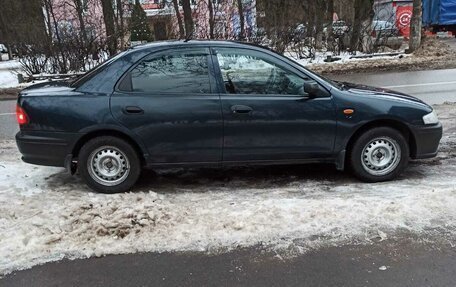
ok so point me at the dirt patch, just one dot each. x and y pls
(434, 54)
(432, 47)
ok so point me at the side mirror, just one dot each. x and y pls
(312, 88)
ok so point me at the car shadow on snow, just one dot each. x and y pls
(200, 180)
(241, 177)
(259, 177)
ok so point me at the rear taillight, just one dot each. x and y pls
(21, 116)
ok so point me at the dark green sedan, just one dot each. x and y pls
(211, 103)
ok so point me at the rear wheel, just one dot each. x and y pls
(109, 164)
(380, 154)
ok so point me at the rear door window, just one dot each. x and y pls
(184, 72)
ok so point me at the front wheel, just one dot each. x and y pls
(380, 154)
(109, 165)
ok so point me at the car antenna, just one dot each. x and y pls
(189, 37)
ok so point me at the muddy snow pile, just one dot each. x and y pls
(47, 215)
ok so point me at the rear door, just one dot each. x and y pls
(267, 114)
(168, 100)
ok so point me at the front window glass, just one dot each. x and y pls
(244, 73)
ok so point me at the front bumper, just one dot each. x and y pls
(44, 148)
(427, 140)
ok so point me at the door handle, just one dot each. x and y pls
(241, 109)
(134, 110)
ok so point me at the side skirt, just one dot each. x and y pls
(245, 163)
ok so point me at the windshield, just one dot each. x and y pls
(87, 76)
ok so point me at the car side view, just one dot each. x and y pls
(213, 103)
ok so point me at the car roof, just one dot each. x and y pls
(197, 43)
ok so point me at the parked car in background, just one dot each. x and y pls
(384, 29)
(3, 49)
(211, 103)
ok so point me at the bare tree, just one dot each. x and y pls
(362, 23)
(108, 17)
(79, 7)
(188, 18)
(241, 19)
(120, 22)
(29, 29)
(179, 19)
(415, 26)
(211, 18)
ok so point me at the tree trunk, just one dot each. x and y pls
(188, 18)
(320, 14)
(179, 19)
(363, 14)
(120, 23)
(211, 19)
(108, 17)
(241, 19)
(330, 32)
(10, 51)
(415, 26)
(48, 19)
(63, 60)
(80, 11)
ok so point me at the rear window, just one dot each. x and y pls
(87, 76)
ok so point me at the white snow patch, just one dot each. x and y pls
(8, 73)
(8, 79)
(47, 215)
(10, 64)
(345, 57)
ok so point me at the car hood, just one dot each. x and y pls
(48, 88)
(374, 91)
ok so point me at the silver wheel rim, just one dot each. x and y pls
(108, 166)
(381, 156)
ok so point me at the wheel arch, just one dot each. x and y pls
(109, 132)
(391, 123)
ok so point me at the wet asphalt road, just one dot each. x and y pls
(408, 264)
(8, 125)
(433, 87)
(383, 264)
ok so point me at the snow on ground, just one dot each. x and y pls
(344, 57)
(47, 215)
(8, 79)
(8, 74)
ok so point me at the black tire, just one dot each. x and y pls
(126, 157)
(392, 140)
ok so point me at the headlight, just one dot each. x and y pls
(431, 119)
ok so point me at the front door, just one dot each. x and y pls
(267, 114)
(168, 101)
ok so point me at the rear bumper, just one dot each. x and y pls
(427, 139)
(45, 148)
